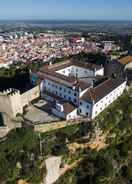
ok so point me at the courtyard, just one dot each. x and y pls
(40, 112)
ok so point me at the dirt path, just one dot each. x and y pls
(98, 143)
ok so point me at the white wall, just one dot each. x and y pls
(73, 115)
(60, 91)
(107, 100)
(85, 109)
(65, 71)
(129, 65)
(80, 72)
(100, 72)
(30, 95)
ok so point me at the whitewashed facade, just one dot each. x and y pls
(59, 88)
(91, 110)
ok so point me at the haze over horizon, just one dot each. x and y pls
(66, 10)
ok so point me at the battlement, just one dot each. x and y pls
(10, 92)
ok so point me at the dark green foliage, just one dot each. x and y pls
(114, 164)
(91, 58)
(18, 147)
(109, 166)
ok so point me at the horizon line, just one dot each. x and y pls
(76, 20)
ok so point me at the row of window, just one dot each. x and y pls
(86, 106)
(113, 98)
(77, 70)
(63, 96)
(80, 111)
(110, 101)
(60, 88)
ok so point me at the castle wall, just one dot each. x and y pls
(16, 104)
(5, 105)
(30, 95)
(11, 104)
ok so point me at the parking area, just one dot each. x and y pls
(40, 112)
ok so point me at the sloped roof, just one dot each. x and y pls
(125, 60)
(68, 108)
(101, 90)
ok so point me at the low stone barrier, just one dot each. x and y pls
(55, 125)
(3, 131)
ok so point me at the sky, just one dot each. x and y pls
(66, 9)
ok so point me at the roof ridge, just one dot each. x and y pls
(102, 83)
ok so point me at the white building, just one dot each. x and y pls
(110, 46)
(77, 89)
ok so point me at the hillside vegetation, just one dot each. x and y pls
(98, 152)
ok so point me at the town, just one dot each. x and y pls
(65, 96)
(71, 87)
(27, 47)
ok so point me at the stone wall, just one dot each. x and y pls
(30, 95)
(55, 125)
(3, 131)
(11, 104)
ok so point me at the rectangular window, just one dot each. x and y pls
(87, 106)
(75, 101)
(75, 94)
(87, 114)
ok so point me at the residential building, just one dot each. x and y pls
(77, 89)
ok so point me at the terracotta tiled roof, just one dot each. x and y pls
(68, 63)
(68, 108)
(125, 60)
(101, 90)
